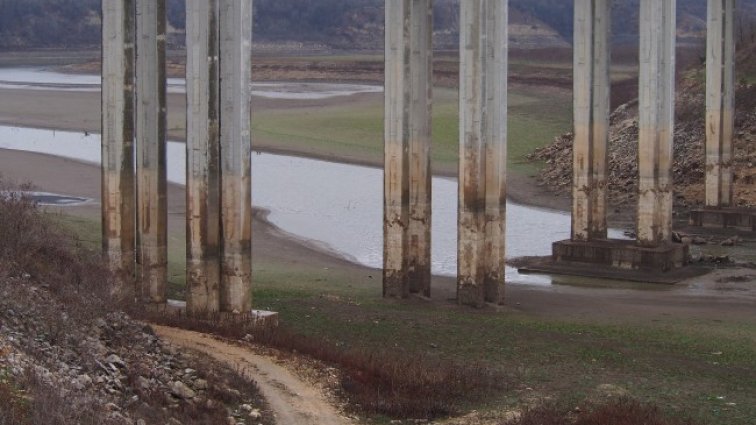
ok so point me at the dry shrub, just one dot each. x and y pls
(13, 408)
(621, 411)
(33, 247)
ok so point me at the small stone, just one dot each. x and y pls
(141, 422)
(143, 383)
(181, 390)
(116, 361)
(255, 414)
(83, 381)
(112, 407)
(200, 384)
(246, 407)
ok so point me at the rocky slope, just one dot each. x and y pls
(68, 356)
(689, 154)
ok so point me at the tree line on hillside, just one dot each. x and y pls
(41, 23)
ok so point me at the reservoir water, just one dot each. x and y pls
(336, 206)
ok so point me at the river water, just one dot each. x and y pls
(338, 207)
(41, 79)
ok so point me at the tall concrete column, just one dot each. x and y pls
(118, 197)
(152, 214)
(407, 178)
(483, 151)
(203, 156)
(235, 155)
(656, 120)
(720, 102)
(421, 100)
(592, 57)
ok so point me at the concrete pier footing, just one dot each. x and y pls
(621, 254)
(483, 151)
(742, 219)
(118, 193)
(407, 134)
(152, 211)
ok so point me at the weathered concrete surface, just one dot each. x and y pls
(743, 219)
(421, 99)
(235, 155)
(396, 150)
(621, 254)
(152, 213)
(656, 120)
(592, 55)
(483, 151)
(118, 196)
(203, 157)
(720, 102)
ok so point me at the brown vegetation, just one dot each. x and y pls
(69, 356)
(371, 382)
(615, 412)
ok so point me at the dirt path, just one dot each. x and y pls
(293, 402)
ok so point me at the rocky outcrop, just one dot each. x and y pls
(689, 155)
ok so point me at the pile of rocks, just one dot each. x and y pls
(112, 367)
(689, 151)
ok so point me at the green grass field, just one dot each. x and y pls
(354, 131)
(701, 368)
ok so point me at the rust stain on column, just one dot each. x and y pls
(483, 145)
(396, 135)
(203, 157)
(118, 197)
(152, 212)
(236, 148)
(421, 98)
(656, 120)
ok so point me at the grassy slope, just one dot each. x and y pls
(356, 131)
(691, 366)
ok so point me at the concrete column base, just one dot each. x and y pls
(258, 318)
(620, 254)
(743, 219)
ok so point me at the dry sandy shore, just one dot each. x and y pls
(80, 111)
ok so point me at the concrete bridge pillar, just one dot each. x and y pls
(592, 57)
(235, 154)
(219, 209)
(483, 151)
(720, 102)
(118, 196)
(656, 120)
(203, 156)
(407, 185)
(152, 212)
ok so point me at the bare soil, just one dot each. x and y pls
(293, 401)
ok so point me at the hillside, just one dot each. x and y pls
(69, 356)
(349, 24)
(689, 146)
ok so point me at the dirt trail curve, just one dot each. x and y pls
(294, 402)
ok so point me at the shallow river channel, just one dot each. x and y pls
(335, 206)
